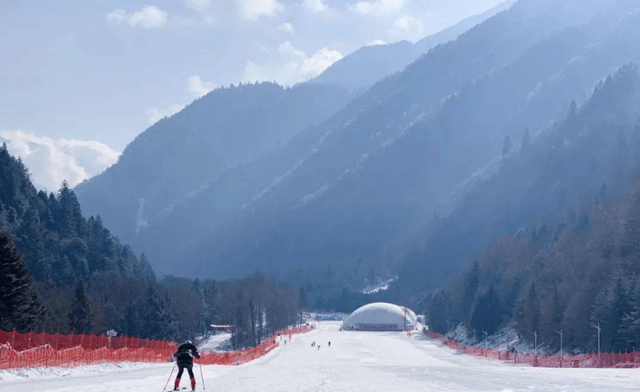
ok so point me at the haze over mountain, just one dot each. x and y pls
(591, 150)
(370, 64)
(180, 156)
(552, 238)
(364, 182)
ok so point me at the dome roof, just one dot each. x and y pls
(381, 316)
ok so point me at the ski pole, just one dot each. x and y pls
(169, 379)
(202, 377)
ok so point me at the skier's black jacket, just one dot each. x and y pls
(185, 354)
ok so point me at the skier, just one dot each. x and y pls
(329, 344)
(185, 355)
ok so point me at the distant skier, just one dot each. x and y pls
(184, 356)
(329, 344)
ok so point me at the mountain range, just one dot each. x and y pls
(291, 181)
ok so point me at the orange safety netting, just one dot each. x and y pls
(37, 350)
(243, 356)
(43, 349)
(608, 360)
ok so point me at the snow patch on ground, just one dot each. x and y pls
(378, 286)
(141, 220)
(219, 342)
(506, 339)
(44, 373)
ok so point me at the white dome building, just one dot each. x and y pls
(381, 317)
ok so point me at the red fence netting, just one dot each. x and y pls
(44, 350)
(608, 360)
(243, 356)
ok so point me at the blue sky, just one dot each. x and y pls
(104, 70)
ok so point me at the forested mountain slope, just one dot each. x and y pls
(375, 178)
(180, 156)
(48, 248)
(59, 244)
(555, 232)
(63, 273)
(372, 173)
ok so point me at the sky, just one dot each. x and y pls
(105, 70)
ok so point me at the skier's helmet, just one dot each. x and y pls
(188, 342)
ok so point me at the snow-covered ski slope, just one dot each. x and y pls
(356, 361)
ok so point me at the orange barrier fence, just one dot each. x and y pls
(42, 349)
(244, 356)
(37, 350)
(592, 360)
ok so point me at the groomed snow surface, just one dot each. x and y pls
(356, 361)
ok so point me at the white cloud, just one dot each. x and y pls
(287, 28)
(195, 86)
(297, 67)
(117, 16)
(198, 87)
(410, 24)
(254, 73)
(375, 42)
(318, 62)
(287, 48)
(380, 8)
(51, 161)
(255, 9)
(314, 5)
(149, 16)
(155, 114)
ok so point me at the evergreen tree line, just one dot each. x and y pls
(582, 271)
(567, 276)
(63, 273)
(175, 308)
(60, 246)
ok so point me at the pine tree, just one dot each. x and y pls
(552, 318)
(629, 331)
(630, 243)
(611, 307)
(160, 321)
(440, 311)
(68, 216)
(80, 317)
(131, 322)
(471, 283)
(303, 298)
(147, 272)
(528, 310)
(20, 305)
(486, 314)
